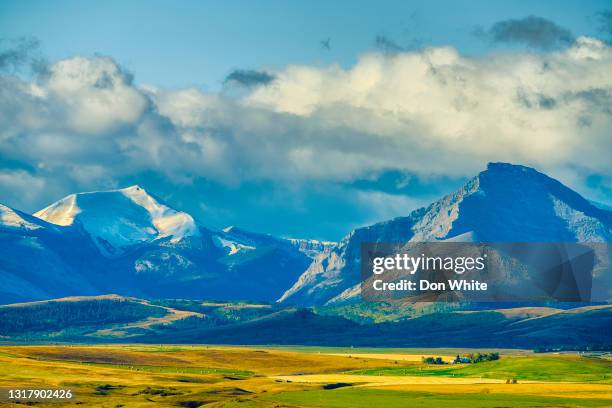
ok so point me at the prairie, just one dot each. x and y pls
(227, 376)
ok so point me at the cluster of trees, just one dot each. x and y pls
(471, 358)
(58, 315)
(478, 357)
(433, 360)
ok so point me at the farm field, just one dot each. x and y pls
(226, 376)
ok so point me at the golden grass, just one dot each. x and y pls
(392, 356)
(387, 380)
(165, 376)
(565, 390)
(265, 361)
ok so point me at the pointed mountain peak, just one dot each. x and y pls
(13, 219)
(501, 167)
(518, 203)
(135, 187)
(62, 212)
(508, 171)
(134, 190)
(522, 185)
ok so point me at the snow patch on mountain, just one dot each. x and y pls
(237, 239)
(62, 212)
(168, 222)
(121, 218)
(233, 247)
(10, 218)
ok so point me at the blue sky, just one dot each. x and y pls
(185, 43)
(301, 119)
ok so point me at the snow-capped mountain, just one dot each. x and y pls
(129, 242)
(118, 219)
(505, 203)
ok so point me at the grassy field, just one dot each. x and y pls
(541, 368)
(223, 376)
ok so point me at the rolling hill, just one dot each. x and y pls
(112, 318)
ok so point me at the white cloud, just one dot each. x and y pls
(443, 111)
(384, 206)
(99, 95)
(21, 185)
(432, 112)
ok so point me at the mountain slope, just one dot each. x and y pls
(129, 242)
(33, 257)
(505, 203)
(17, 221)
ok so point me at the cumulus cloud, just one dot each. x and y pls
(383, 206)
(22, 184)
(437, 111)
(85, 124)
(536, 32)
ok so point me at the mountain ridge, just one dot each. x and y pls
(504, 203)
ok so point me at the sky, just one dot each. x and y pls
(302, 119)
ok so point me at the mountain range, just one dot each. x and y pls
(129, 242)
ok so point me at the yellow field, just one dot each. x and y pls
(194, 376)
(390, 356)
(386, 380)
